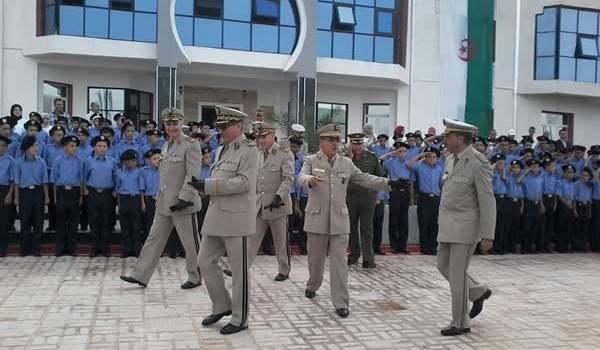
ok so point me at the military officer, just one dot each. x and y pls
(467, 214)
(176, 204)
(273, 200)
(327, 175)
(361, 203)
(230, 219)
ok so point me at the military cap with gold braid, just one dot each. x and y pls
(357, 138)
(170, 115)
(264, 129)
(330, 130)
(455, 126)
(228, 116)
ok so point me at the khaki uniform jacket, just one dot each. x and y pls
(177, 166)
(326, 211)
(467, 207)
(232, 190)
(275, 176)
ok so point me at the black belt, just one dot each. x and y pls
(431, 195)
(68, 188)
(514, 199)
(31, 188)
(128, 195)
(534, 202)
(99, 190)
(581, 204)
(500, 196)
(549, 196)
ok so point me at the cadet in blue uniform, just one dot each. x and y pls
(6, 191)
(381, 146)
(153, 141)
(99, 177)
(500, 186)
(67, 177)
(120, 120)
(514, 204)
(130, 185)
(204, 173)
(151, 182)
(31, 194)
(128, 142)
(53, 150)
(6, 131)
(578, 160)
(42, 136)
(549, 198)
(32, 128)
(533, 186)
(566, 210)
(595, 165)
(299, 196)
(396, 167)
(429, 180)
(583, 201)
(84, 151)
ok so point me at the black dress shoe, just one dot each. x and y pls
(133, 280)
(352, 261)
(227, 273)
(281, 277)
(190, 285)
(478, 304)
(212, 319)
(369, 265)
(230, 329)
(452, 331)
(342, 312)
(310, 294)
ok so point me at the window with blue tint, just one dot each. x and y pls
(184, 7)
(344, 1)
(265, 38)
(240, 10)
(185, 29)
(121, 25)
(363, 47)
(122, 5)
(146, 5)
(566, 68)
(586, 70)
(265, 11)
(208, 32)
(209, 8)
(325, 15)
(546, 22)
(236, 35)
(588, 23)
(568, 20)
(324, 43)
(364, 20)
(384, 49)
(568, 43)
(145, 27)
(365, 2)
(587, 47)
(343, 18)
(598, 71)
(385, 22)
(390, 4)
(342, 45)
(544, 68)
(71, 20)
(96, 3)
(96, 22)
(287, 39)
(546, 44)
(286, 16)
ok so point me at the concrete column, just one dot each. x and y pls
(303, 100)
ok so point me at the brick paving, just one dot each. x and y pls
(539, 302)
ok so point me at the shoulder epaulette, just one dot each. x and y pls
(248, 142)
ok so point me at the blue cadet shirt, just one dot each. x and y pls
(7, 164)
(151, 178)
(42, 137)
(130, 181)
(549, 184)
(583, 191)
(397, 169)
(533, 184)
(578, 164)
(30, 172)
(51, 152)
(67, 171)
(429, 178)
(100, 173)
(204, 172)
(41, 150)
(379, 150)
(12, 149)
(127, 145)
(298, 162)
(499, 184)
(515, 189)
(566, 189)
(84, 151)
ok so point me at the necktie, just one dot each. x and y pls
(225, 147)
(265, 154)
(331, 161)
(455, 161)
(170, 145)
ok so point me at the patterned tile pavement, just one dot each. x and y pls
(539, 302)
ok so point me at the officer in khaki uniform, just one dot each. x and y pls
(327, 175)
(230, 219)
(467, 214)
(176, 204)
(273, 200)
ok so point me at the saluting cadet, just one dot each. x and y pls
(396, 167)
(230, 219)
(583, 201)
(566, 209)
(130, 185)
(514, 204)
(299, 195)
(6, 191)
(429, 183)
(533, 214)
(500, 186)
(549, 198)
(327, 175)
(31, 195)
(99, 177)
(381, 147)
(67, 177)
(151, 177)
(128, 142)
(53, 150)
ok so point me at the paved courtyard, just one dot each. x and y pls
(539, 302)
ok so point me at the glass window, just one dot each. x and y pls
(71, 20)
(184, 7)
(145, 27)
(237, 10)
(389, 4)
(265, 11)
(208, 32)
(146, 5)
(342, 45)
(598, 71)
(324, 43)
(384, 49)
(568, 20)
(546, 44)
(209, 8)
(97, 95)
(546, 22)
(264, 38)
(566, 68)
(586, 70)
(385, 22)
(587, 47)
(325, 13)
(328, 113)
(145, 103)
(123, 5)
(364, 20)
(115, 99)
(344, 15)
(544, 68)
(366, 2)
(568, 43)
(363, 47)
(96, 22)
(52, 90)
(97, 3)
(588, 22)
(236, 35)
(378, 116)
(185, 29)
(121, 25)
(287, 39)
(287, 16)
(68, 2)
(343, 1)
